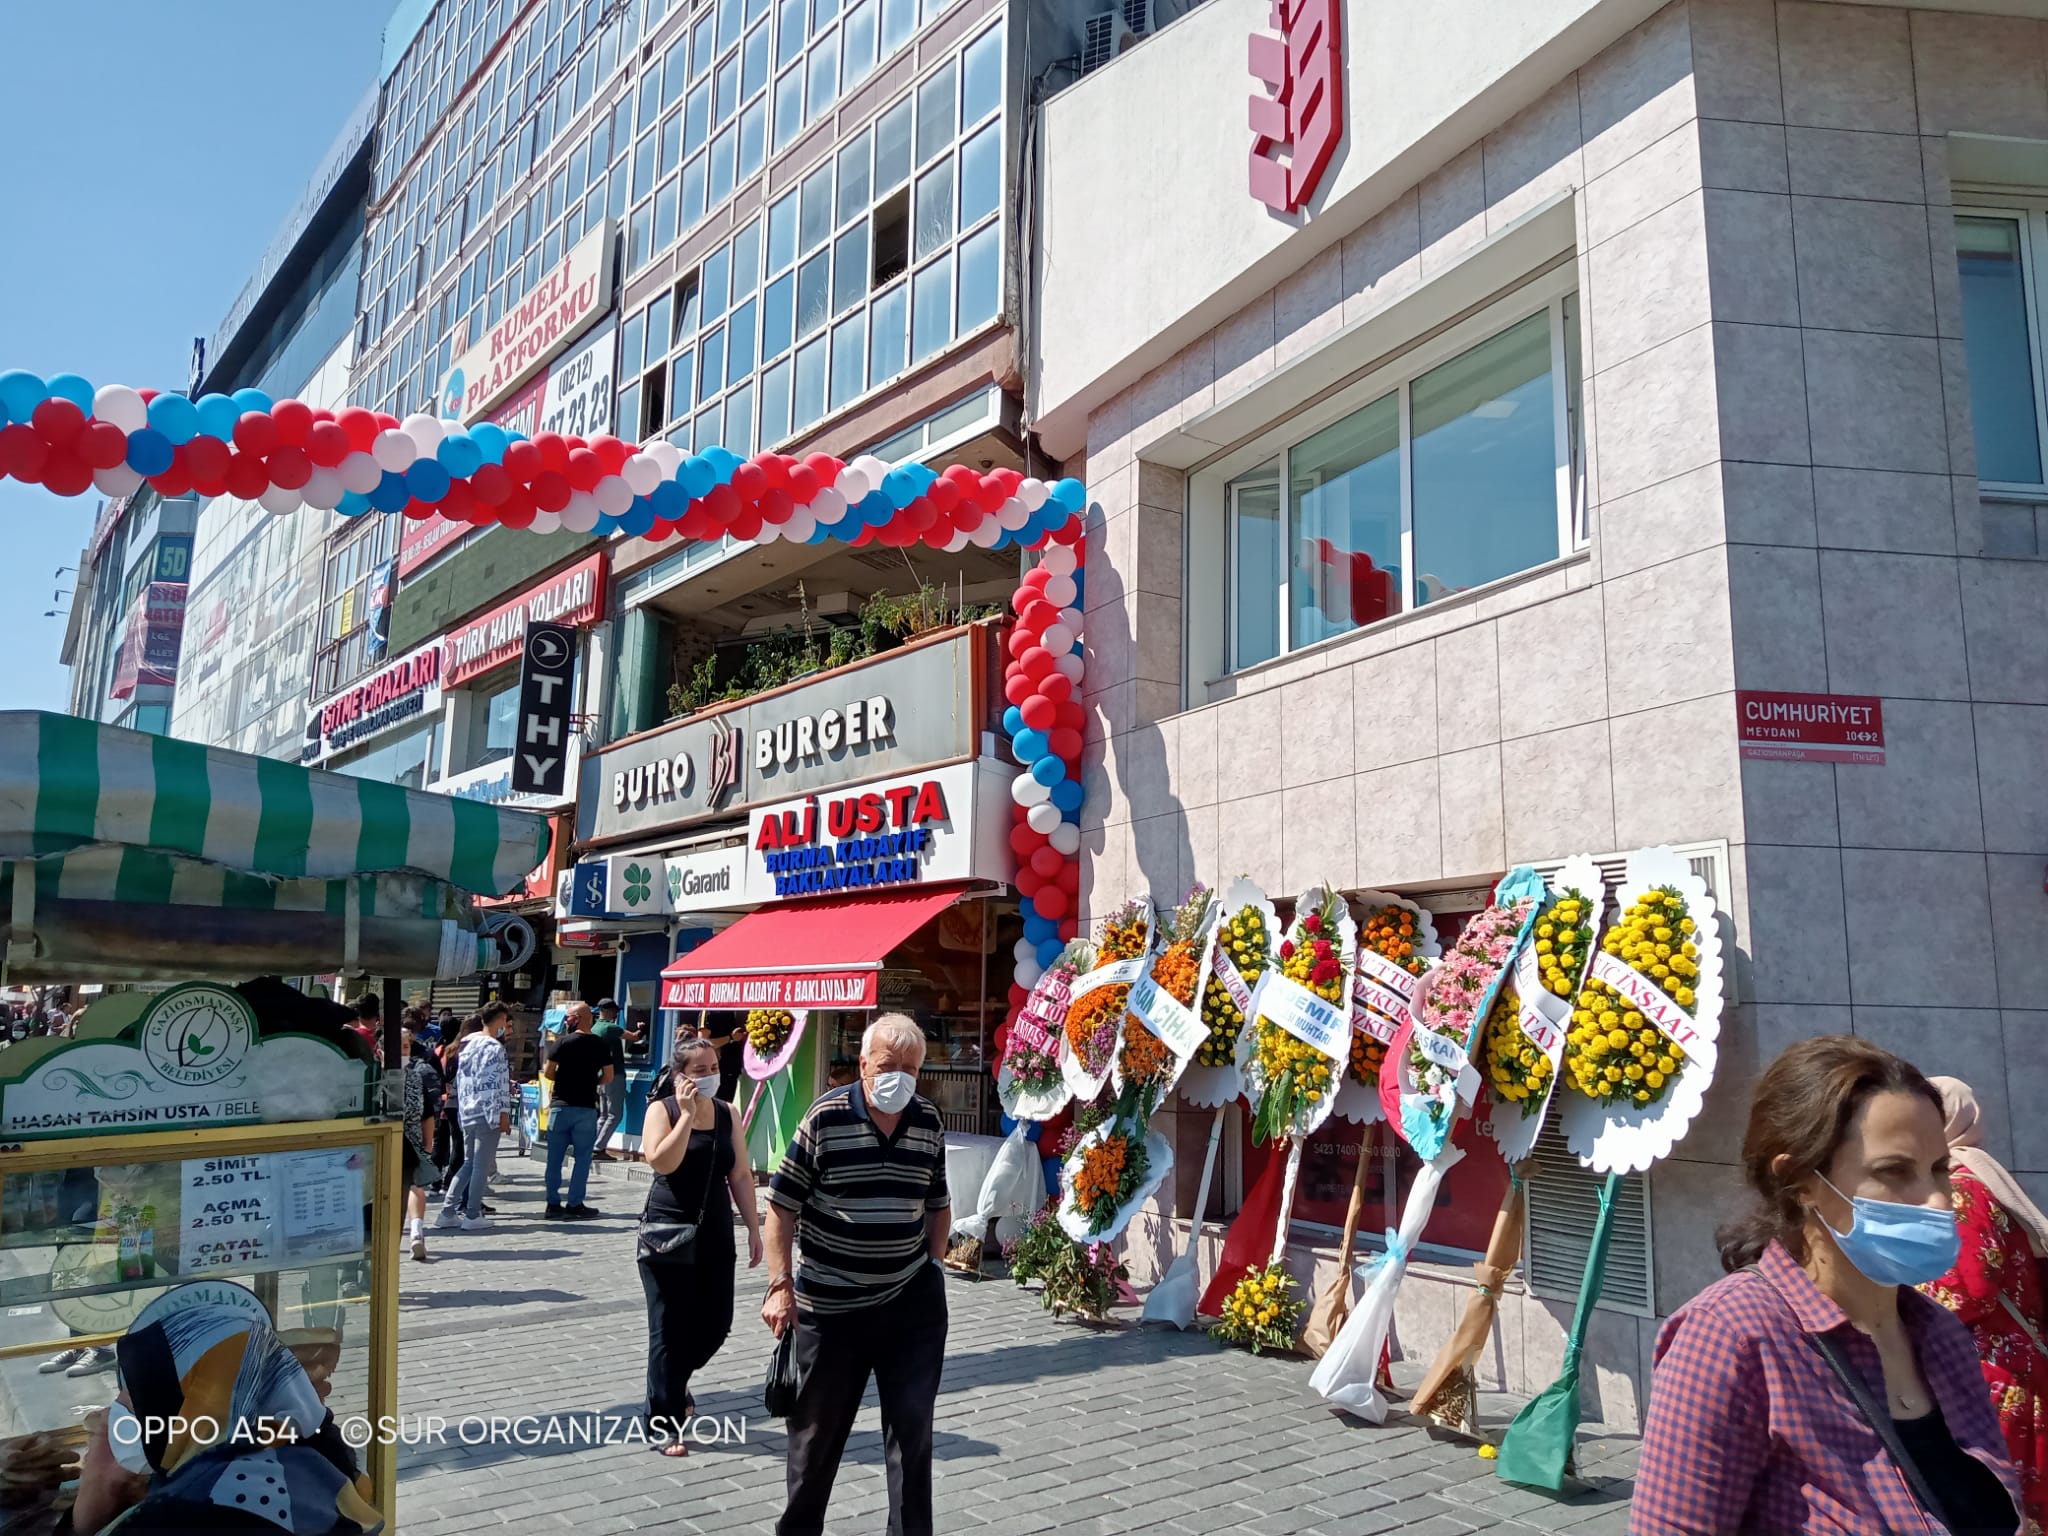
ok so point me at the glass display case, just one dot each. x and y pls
(94, 1228)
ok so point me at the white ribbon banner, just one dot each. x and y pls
(1225, 971)
(1303, 1015)
(1648, 997)
(1180, 1028)
(1371, 1022)
(1388, 973)
(1118, 973)
(1441, 1049)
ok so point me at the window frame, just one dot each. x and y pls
(2032, 218)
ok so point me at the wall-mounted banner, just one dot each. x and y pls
(567, 301)
(397, 695)
(579, 397)
(1810, 727)
(574, 597)
(547, 694)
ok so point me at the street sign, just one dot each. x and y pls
(540, 760)
(1810, 727)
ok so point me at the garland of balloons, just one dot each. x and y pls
(68, 437)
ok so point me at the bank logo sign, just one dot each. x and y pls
(1297, 120)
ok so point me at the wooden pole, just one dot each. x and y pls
(1334, 1304)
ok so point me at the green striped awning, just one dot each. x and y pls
(164, 818)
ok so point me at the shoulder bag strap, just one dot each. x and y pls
(711, 1168)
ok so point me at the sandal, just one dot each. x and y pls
(674, 1450)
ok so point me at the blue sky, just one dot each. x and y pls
(151, 151)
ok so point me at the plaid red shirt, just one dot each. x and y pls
(1750, 1431)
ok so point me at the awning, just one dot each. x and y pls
(818, 954)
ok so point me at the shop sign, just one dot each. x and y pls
(578, 399)
(492, 785)
(422, 538)
(149, 651)
(540, 752)
(630, 885)
(1300, 112)
(398, 695)
(193, 1058)
(1810, 727)
(807, 989)
(568, 300)
(903, 711)
(574, 596)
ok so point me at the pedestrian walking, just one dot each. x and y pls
(862, 1190)
(579, 1065)
(370, 1021)
(692, 1144)
(612, 1109)
(450, 1127)
(1995, 1288)
(422, 1095)
(1814, 1388)
(482, 1083)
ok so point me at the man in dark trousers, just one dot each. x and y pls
(579, 1065)
(612, 1112)
(863, 1191)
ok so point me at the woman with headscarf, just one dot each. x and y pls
(1996, 1289)
(254, 1448)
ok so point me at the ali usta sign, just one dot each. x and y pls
(1298, 119)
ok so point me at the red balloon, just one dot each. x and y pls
(255, 433)
(1024, 841)
(1040, 713)
(1039, 615)
(1047, 862)
(419, 511)
(695, 524)
(358, 425)
(803, 484)
(551, 490)
(1073, 716)
(327, 443)
(22, 452)
(386, 422)
(1070, 879)
(865, 536)
(1029, 881)
(824, 466)
(64, 472)
(944, 495)
(207, 458)
(211, 487)
(101, 445)
(59, 421)
(897, 533)
(748, 480)
(518, 501)
(920, 514)
(246, 476)
(293, 420)
(1009, 479)
(990, 496)
(460, 503)
(1051, 901)
(774, 469)
(1057, 686)
(516, 514)
(172, 482)
(491, 485)
(746, 524)
(939, 535)
(1064, 742)
(776, 505)
(1020, 640)
(612, 452)
(963, 477)
(554, 451)
(585, 469)
(1036, 662)
(1068, 532)
(290, 468)
(1017, 688)
(523, 462)
(723, 504)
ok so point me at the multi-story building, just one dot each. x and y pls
(123, 633)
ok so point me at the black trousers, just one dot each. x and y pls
(902, 1344)
(689, 1315)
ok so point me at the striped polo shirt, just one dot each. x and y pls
(861, 1200)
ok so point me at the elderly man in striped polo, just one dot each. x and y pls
(863, 1191)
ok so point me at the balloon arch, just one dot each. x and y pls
(70, 438)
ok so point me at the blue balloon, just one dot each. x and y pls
(149, 451)
(1049, 951)
(21, 392)
(427, 480)
(391, 493)
(670, 500)
(921, 476)
(640, 521)
(460, 455)
(819, 534)
(69, 386)
(4, 417)
(696, 476)
(490, 439)
(352, 504)
(252, 400)
(1038, 929)
(1030, 745)
(900, 486)
(877, 510)
(1067, 793)
(174, 416)
(218, 415)
(1071, 494)
(1049, 770)
(1013, 720)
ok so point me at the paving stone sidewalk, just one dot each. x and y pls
(1043, 1425)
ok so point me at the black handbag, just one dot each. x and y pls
(675, 1242)
(784, 1380)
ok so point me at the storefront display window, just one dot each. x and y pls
(493, 724)
(413, 760)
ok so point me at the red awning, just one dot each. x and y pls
(820, 954)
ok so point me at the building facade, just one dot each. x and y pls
(1620, 362)
(125, 627)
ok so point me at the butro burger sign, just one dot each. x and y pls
(568, 300)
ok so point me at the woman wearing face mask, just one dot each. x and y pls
(1814, 1389)
(691, 1139)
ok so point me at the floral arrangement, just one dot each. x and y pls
(1450, 1007)
(1106, 1172)
(1262, 1312)
(1246, 943)
(1291, 1078)
(1035, 1069)
(1613, 1054)
(1082, 1278)
(1564, 941)
(1145, 1063)
(1095, 1018)
(1389, 932)
(1518, 1071)
(768, 1030)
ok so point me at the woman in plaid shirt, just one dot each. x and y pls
(1750, 1428)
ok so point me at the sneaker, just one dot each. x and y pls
(95, 1361)
(478, 1224)
(419, 1246)
(63, 1360)
(448, 1219)
(554, 1213)
(583, 1212)
(489, 1209)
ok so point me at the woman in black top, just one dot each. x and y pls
(691, 1139)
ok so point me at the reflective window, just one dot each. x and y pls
(2004, 414)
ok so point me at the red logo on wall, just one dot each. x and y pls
(1298, 120)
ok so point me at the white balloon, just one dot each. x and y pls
(1058, 559)
(613, 495)
(547, 522)
(769, 533)
(1043, 818)
(323, 489)
(581, 515)
(1028, 972)
(278, 499)
(1033, 494)
(829, 505)
(360, 473)
(852, 484)
(1026, 790)
(642, 473)
(871, 469)
(667, 455)
(958, 542)
(122, 406)
(1071, 617)
(394, 451)
(1070, 665)
(118, 481)
(1057, 638)
(1012, 515)
(1024, 951)
(799, 525)
(1060, 591)
(425, 431)
(1065, 839)
(985, 533)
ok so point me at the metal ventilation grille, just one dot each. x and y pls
(1564, 1203)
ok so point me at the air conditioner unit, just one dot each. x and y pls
(1104, 35)
(1138, 16)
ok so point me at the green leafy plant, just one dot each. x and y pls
(1081, 1278)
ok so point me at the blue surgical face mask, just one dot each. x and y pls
(1896, 1244)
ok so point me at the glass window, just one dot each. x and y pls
(709, 428)
(726, 97)
(934, 208)
(754, 67)
(699, 112)
(931, 308)
(817, 207)
(1254, 534)
(494, 731)
(892, 147)
(981, 77)
(935, 123)
(1485, 463)
(899, 20)
(823, 64)
(782, 233)
(778, 315)
(665, 215)
(850, 268)
(643, 172)
(890, 334)
(739, 420)
(687, 308)
(673, 78)
(693, 192)
(1345, 488)
(711, 363)
(813, 294)
(980, 279)
(860, 42)
(636, 236)
(789, 30)
(849, 359)
(746, 261)
(822, 12)
(657, 327)
(853, 179)
(728, 22)
(739, 332)
(702, 39)
(713, 283)
(981, 175)
(724, 153)
(681, 384)
(789, 106)
(809, 402)
(753, 138)
(671, 144)
(775, 405)
(615, 203)
(632, 343)
(2003, 412)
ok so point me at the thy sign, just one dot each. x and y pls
(540, 760)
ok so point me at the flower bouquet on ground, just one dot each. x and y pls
(1263, 1312)
(1300, 1038)
(1082, 1278)
(1396, 943)
(1111, 1171)
(1095, 1016)
(1434, 1074)
(1641, 1047)
(1240, 950)
(1526, 1028)
(1162, 1030)
(1031, 1083)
